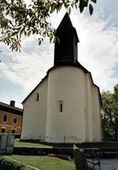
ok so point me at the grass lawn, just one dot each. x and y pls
(45, 162)
(19, 143)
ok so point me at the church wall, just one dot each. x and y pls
(34, 116)
(86, 112)
(93, 120)
(65, 85)
(65, 106)
(96, 115)
(89, 105)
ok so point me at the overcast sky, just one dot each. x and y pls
(97, 51)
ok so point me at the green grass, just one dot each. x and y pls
(19, 143)
(45, 162)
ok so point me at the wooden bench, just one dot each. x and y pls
(94, 162)
(93, 157)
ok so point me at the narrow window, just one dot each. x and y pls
(15, 120)
(3, 130)
(60, 106)
(37, 97)
(4, 118)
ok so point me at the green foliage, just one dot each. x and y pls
(17, 19)
(110, 114)
(10, 165)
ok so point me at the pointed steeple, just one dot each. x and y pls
(66, 47)
(65, 24)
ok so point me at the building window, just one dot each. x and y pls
(15, 120)
(13, 131)
(4, 118)
(60, 106)
(3, 130)
(37, 97)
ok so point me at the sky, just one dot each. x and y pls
(97, 52)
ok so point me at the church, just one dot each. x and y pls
(65, 106)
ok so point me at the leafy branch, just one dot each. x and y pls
(17, 19)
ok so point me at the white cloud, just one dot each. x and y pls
(28, 67)
(97, 51)
(98, 48)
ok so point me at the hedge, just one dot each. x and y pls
(10, 164)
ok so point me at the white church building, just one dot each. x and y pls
(65, 106)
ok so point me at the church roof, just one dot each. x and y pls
(66, 50)
(65, 26)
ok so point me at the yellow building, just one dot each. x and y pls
(10, 118)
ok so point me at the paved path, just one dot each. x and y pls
(108, 164)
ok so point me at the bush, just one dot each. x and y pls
(11, 165)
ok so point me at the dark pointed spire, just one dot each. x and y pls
(66, 48)
(65, 24)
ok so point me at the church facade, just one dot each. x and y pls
(65, 106)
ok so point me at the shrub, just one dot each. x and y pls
(10, 164)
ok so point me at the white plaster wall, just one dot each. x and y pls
(97, 135)
(86, 107)
(89, 110)
(80, 120)
(93, 118)
(34, 115)
(67, 84)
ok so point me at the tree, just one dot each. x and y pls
(110, 114)
(17, 19)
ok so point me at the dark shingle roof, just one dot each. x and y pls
(11, 109)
